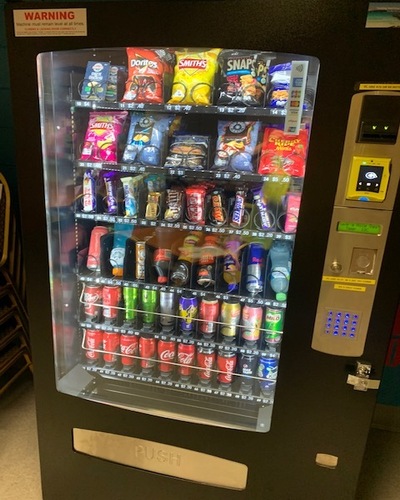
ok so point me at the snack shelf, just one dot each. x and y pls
(172, 384)
(187, 172)
(271, 352)
(185, 108)
(100, 280)
(253, 233)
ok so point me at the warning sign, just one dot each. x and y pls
(50, 22)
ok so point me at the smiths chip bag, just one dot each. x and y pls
(194, 77)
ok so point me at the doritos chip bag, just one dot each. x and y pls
(147, 70)
(194, 77)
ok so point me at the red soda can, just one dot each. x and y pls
(186, 359)
(206, 362)
(251, 320)
(92, 296)
(147, 351)
(110, 347)
(166, 350)
(226, 363)
(111, 300)
(93, 344)
(129, 346)
(93, 259)
(208, 315)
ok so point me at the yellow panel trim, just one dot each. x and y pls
(350, 288)
(379, 86)
(354, 281)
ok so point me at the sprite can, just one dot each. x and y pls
(149, 306)
(131, 303)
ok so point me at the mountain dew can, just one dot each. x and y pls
(273, 325)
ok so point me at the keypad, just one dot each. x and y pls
(342, 324)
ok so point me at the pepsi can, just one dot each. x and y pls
(267, 372)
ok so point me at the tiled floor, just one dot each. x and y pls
(19, 467)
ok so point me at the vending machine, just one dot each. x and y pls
(208, 194)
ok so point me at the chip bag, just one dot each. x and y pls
(101, 138)
(236, 145)
(194, 76)
(147, 70)
(283, 154)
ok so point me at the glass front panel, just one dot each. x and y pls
(173, 185)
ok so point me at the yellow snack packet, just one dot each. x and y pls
(194, 75)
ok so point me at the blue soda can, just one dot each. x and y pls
(267, 372)
(255, 267)
(247, 368)
(188, 310)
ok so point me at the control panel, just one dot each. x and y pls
(367, 187)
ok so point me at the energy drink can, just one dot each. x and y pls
(131, 304)
(140, 272)
(188, 309)
(149, 306)
(230, 318)
(255, 268)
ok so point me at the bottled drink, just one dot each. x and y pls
(93, 259)
(280, 265)
(255, 268)
(206, 273)
(117, 255)
(140, 268)
(230, 318)
(208, 316)
(162, 260)
(231, 272)
(182, 271)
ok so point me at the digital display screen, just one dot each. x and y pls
(369, 178)
(359, 228)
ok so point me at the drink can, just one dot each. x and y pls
(110, 347)
(186, 359)
(131, 303)
(94, 253)
(93, 345)
(111, 299)
(273, 325)
(167, 310)
(247, 369)
(140, 273)
(267, 372)
(129, 346)
(92, 297)
(208, 315)
(226, 362)
(230, 318)
(255, 266)
(166, 350)
(206, 362)
(188, 308)
(149, 306)
(147, 353)
(251, 320)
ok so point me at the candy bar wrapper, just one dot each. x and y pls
(293, 201)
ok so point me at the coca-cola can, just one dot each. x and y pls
(186, 359)
(92, 296)
(111, 300)
(93, 345)
(110, 347)
(147, 353)
(208, 316)
(129, 346)
(166, 350)
(206, 362)
(226, 363)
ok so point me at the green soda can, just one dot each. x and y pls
(131, 296)
(149, 306)
(273, 325)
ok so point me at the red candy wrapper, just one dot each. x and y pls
(101, 139)
(283, 154)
